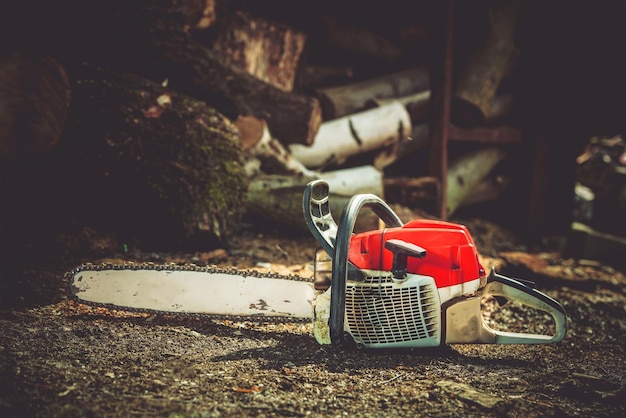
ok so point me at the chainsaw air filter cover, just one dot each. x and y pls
(383, 313)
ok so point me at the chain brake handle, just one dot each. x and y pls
(319, 219)
(335, 239)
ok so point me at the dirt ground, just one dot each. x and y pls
(63, 359)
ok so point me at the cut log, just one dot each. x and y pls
(150, 41)
(194, 70)
(345, 100)
(278, 199)
(151, 163)
(270, 51)
(467, 172)
(34, 98)
(480, 79)
(264, 154)
(339, 139)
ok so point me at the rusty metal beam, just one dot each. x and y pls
(441, 96)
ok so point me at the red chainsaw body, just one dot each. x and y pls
(452, 257)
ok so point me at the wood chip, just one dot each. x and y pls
(469, 394)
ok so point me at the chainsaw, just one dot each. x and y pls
(418, 284)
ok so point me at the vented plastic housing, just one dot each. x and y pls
(381, 313)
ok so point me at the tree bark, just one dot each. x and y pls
(418, 106)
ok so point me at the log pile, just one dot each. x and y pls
(186, 114)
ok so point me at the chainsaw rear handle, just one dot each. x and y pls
(340, 257)
(498, 285)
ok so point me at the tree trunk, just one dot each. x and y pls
(152, 163)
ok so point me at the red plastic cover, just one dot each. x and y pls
(451, 255)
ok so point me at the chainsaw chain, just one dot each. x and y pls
(233, 271)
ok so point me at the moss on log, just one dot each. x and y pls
(159, 165)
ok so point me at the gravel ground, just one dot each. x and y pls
(59, 358)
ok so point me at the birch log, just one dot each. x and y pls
(278, 198)
(416, 104)
(264, 153)
(339, 139)
(467, 172)
(345, 100)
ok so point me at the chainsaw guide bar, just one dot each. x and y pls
(193, 291)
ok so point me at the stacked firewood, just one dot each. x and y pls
(374, 125)
(179, 117)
